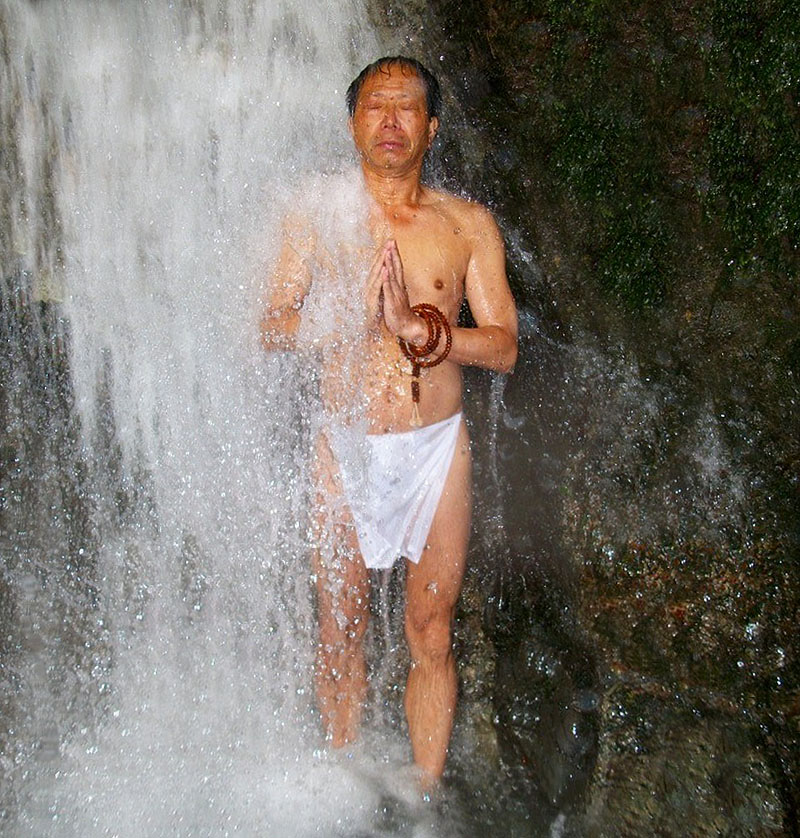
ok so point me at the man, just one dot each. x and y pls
(415, 485)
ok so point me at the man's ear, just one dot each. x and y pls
(350, 126)
(433, 127)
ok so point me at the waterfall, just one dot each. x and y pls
(155, 602)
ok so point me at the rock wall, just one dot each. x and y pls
(642, 160)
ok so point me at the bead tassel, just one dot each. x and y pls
(418, 355)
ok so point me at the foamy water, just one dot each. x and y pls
(154, 148)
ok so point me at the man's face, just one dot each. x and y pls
(390, 126)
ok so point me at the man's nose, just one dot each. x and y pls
(390, 115)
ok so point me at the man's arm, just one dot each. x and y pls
(493, 343)
(288, 287)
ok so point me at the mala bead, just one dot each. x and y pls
(420, 355)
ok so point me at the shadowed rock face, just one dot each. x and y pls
(646, 448)
(546, 693)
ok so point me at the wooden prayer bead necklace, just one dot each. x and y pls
(436, 323)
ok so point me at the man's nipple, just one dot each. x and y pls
(438, 284)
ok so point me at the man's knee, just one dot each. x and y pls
(339, 631)
(429, 635)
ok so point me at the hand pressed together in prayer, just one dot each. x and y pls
(387, 296)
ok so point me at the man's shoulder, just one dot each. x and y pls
(327, 205)
(467, 211)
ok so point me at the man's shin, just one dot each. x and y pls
(341, 685)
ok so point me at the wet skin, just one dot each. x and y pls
(430, 247)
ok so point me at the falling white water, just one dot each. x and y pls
(153, 148)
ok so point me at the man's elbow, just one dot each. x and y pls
(269, 337)
(278, 331)
(271, 342)
(508, 357)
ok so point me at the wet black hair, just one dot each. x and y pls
(433, 93)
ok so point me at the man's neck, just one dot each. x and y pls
(392, 190)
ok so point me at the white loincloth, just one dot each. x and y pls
(393, 484)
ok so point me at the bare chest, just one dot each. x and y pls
(435, 255)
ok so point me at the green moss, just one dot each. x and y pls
(754, 137)
(654, 131)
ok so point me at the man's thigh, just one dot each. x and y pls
(341, 575)
(433, 585)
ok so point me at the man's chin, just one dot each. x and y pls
(398, 161)
(391, 161)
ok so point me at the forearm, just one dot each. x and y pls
(488, 347)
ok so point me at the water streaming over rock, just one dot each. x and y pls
(156, 609)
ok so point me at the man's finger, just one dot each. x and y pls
(375, 280)
(374, 270)
(397, 262)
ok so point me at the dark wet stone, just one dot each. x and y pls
(665, 769)
(654, 473)
(544, 678)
